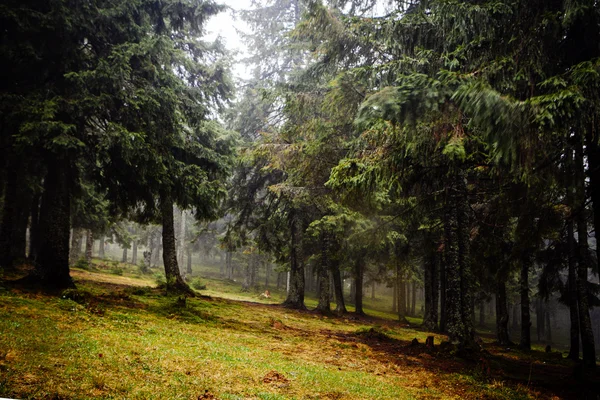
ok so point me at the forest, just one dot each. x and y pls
(397, 199)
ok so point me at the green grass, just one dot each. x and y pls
(116, 337)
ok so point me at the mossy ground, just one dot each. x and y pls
(118, 337)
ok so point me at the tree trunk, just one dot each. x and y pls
(401, 293)
(502, 313)
(18, 197)
(463, 237)
(430, 318)
(295, 295)
(572, 279)
(442, 292)
(586, 331)
(89, 246)
(395, 296)
(340, 305)
(55, 215)
(189, 260)
(158, 245)
(134, 251)
(413, 305)
(76, 242)
(323, 272)
(101, 247)
(593, 157)
(125, 258)
(359, 271)
(525, 342)
(548, 327)
(482, 312)
(175, 282)
(454, 323)
(34, 229)
(228, 265)
(246, 284)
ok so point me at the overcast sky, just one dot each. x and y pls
(225, 25)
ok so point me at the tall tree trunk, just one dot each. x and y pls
(525, 342)
(401, 292)
(442, 292)
(55, 215)
(189, 260)
(454, 322)
(228, 265)
(430, 319)
(76, 242)
(593, 157)
(295, 295)
(340, 305)
(18, 197)
(158, 246)
(572, 279)
(502, 313)
(34, 229)
(174, 280)
(246, 283)
(101, 247)
(413, 305)
(125, 258)
(539, 319)
(359, 272)
(586, 330)
(323, 277)
(89, 246)
(463, 237)
(395, 296)
(548, 326)
(267, 273)
(134, 251)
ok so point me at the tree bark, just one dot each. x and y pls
(340, 305)
(525, 342)
(34, 229)
(463, 237)
(323, 281)
(76, 242)
(228, 265)
(413, 305)
(395, 296)
(586, 330)
(359, 271)
(52, 268)
(442, 292)
(430, 319)
(134, 251)
(125, 258)
(593, 156)
(101, 247)
(189, 260)
(401, 292)
(572, 277)
(454, 323)
(18, 197)
(89, 246)
(175, 282)
(295, 295)
(502, 313)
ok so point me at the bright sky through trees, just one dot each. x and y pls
(226, 25)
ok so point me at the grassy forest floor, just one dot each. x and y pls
(118, 336)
